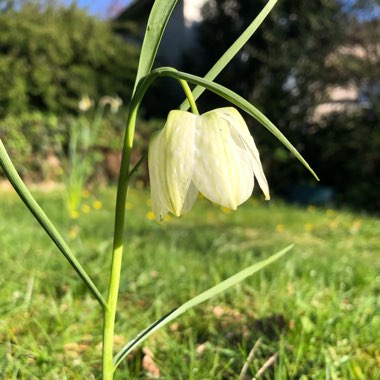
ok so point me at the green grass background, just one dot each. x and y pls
(317, 308)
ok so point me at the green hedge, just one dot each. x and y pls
(38, 143)
(51, 56)
(31, 139)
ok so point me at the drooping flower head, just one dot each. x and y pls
(114, 102)
(85, 103)
(213, 153)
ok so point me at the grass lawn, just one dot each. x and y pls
(316, 309)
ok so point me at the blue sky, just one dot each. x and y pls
(103, 8)
(99, 7)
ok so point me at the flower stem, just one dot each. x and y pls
(189, 95)
(117, 253)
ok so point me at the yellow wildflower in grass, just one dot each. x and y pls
(85, 209)
(86, 194)
(213, 153)
(225, 210)
(97, 205)
(74, 214)
(150, 215)
(280, 228)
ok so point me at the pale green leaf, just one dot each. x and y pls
(45, 222)
(212, 292)
(158, 19)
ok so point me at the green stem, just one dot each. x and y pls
(138, 164)
(118, 245)
(189, 96)
(117, 252)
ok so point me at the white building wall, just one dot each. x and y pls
(180, 32)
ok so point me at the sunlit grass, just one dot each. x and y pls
(317, 308)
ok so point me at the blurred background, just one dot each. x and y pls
(66, 77)
(313, 67)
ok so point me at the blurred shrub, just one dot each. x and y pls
(38, 144)
(50, 56)
(33, 141)
(343, 150)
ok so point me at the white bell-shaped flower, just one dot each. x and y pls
(213, 153)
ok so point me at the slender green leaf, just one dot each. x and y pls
(212, 292)
(234, 98)
(158, 19)
(232, 51)
(137, 165)
(46, 224)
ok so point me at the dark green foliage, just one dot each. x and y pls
(301, 50)
(346, 153)
(38, 144)
(282, 65)
(50, 57)
(281, 70)
(31, 138)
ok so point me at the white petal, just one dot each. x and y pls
(159, 193)
(190, 199)
(179, 158)
(222, 170)
(238, 124)
(244, 176)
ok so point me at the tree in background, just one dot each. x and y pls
(51, 56)
(348, 142)
(300, 51)
(357, 62)
(285, 62)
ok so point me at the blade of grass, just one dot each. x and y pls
(232, 51)
(212, 292)
(137, 165)
(46, 224)
(158, 19)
